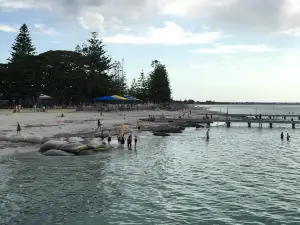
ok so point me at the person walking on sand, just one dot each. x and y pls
(18, 129)
(207, 134)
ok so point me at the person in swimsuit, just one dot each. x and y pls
(288, 136)
(122, 141)
(109, 137)
(99, 125)
(282, 136)
(135, 141)
(129, 142)
(207, 134)
(18, 129)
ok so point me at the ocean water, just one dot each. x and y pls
(240, 176)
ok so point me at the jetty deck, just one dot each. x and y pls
(233, 118)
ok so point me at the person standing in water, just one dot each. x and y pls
(135, 141)
(109, 137)
(207, 134)
(99, 125)
(129, 142)
(122, 141)
(288, 136)
(282, 136)
(18, 129)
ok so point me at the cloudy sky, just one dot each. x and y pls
(223, 50)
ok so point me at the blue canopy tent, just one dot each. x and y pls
(106, 98)
(131, 98)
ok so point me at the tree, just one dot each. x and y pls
(159, 84)
(117, 75)
(97, 66)
(23, 45)
(142, 87)
(133, 88)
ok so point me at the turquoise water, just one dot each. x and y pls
(241, 176)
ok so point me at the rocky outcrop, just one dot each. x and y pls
(161, 134)
(57, 152)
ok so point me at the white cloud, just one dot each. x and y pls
(7, 28)
(291, 32)
(230, 49)
(43, 29)
(170, 34)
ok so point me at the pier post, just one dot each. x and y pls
(293, 125)
(249, 124)
(271, 125)
(228, 124)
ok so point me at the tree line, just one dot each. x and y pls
(71, 77)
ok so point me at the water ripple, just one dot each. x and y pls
(241, 176)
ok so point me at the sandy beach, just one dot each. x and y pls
(50, 124)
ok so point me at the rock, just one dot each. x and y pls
(52, 144)
(5, 137)
(56, 152)
(74, 147)
(75, 139)
(168, 129)
(161, 134)
(45, 140)
(95, 144)
(17, 138)
(34, 139)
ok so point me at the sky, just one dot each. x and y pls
(222, 50)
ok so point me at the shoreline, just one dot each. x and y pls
(79, 124)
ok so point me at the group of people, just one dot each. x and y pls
(287, 136)
(122, 139)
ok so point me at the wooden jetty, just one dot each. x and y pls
(228, 120)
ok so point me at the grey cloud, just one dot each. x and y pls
(265, 15)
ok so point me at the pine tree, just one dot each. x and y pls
(23, 45)
(142, 87)
(118, 78)
(97, 66)
(133, 88)
(159, 84)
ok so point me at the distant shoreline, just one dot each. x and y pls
(247, 103)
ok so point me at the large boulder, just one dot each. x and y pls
(45, 140)
(168, 129)
(161, 134)
(34, 139)
(74, 147)
(5, 137)
(52, 144)
(96, 144)
(56, 152)
(75, 139)
(17, 138)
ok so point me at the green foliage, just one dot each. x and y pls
(133, 88)
(118, 77)
(75, 76)
(22, 46)
(159, 84)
